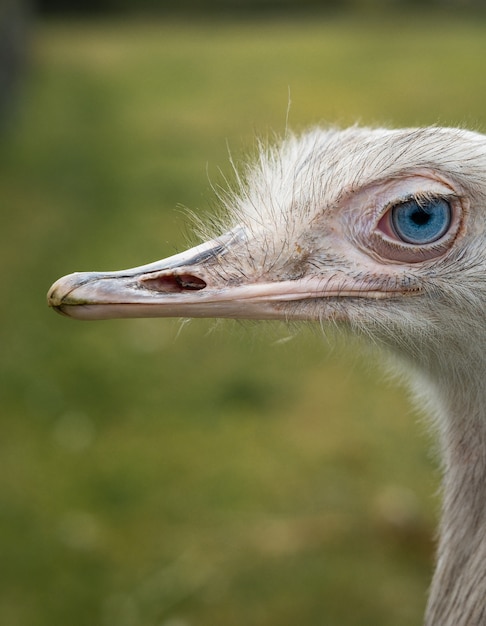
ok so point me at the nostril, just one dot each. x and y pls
(188, 281)
(175, 283)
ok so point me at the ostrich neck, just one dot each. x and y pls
(458, 591)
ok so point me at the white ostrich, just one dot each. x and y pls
(384, 232)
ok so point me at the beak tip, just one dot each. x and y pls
(60, 290)
(53, 298)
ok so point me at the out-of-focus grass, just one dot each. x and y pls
(223, 474)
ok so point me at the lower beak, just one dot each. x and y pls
(96, 296)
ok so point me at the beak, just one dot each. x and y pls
(179, 286)
(193, 284)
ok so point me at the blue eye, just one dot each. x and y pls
(421, 222)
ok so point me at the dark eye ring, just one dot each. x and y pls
(419, 222)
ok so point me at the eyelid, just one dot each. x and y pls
(421, 197)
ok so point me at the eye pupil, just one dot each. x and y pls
(420, 217)
(421, 222)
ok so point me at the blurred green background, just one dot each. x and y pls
(158, 473)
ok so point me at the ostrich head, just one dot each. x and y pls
(382, 231)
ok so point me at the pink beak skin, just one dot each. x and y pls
(181, 286)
